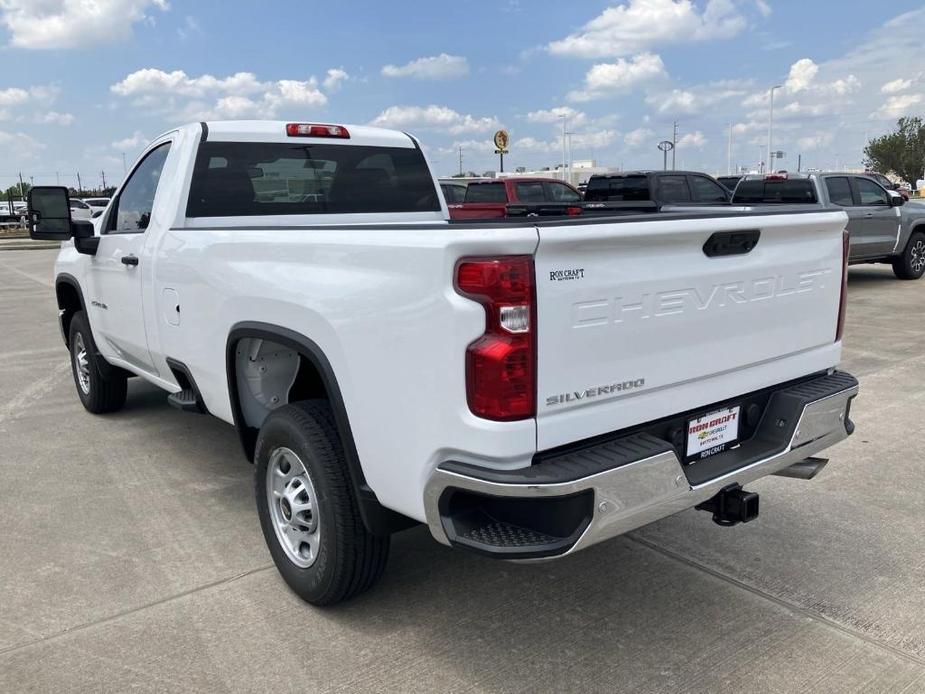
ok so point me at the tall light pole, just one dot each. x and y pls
(771, 123)
(729, 153)
(674, 144)
(564, 118)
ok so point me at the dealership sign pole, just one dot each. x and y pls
(501, 141)
(666, 146)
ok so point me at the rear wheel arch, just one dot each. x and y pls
(70, 301)
(314, 378)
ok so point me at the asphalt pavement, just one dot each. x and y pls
(131, 557)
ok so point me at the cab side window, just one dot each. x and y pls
(559, 192)
(870, 193)
(674, 189)
(839, 191)
(705, 190)
(132, 210)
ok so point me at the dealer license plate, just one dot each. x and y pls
(712, 433)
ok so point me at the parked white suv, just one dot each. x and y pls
(526, 388)
(80, 209)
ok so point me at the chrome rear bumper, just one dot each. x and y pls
(629, 493)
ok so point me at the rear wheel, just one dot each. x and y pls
(910, 265)
(307, 508)
(101, 388)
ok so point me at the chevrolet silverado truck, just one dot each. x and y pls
(526, 388)
(881, 226)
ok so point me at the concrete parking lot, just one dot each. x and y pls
(131, 557)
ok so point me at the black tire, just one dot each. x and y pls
(103, 388)
(349, 559)
(910, 265)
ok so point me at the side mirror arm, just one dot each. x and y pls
(84, 240)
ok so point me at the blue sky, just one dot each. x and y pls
(87, 80)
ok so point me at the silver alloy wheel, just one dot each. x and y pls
(81, 364)
(293, 506)
(918, 256)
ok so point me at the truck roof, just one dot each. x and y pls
(275, 131)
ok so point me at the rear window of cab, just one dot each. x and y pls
(760, 191)
(257, 179)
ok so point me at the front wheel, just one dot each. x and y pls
(99, 388)
(910, 265)
(307, 508)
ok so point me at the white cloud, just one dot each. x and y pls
(240, 95)
(436, 67)
(334, 78)
(815, 141)
(638, 25)
(764, 8)
(39, 97)
(694, 99)
(136, 140)
(55, 118)
(591, 140)
(609, 79)
(438, 118)
(844, 86)
(802, 73)
(805, 93)
(483, 146)
(189, 29)
(55, 24)
(154, 81)
(14, 96)
(554, 115)
(638, 137)
(20, 145)
(694, 139)
(897, 85)
(532, 144)
(898, 105)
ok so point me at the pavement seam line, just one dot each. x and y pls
(44, 283)
(786, 604)
(134, 610)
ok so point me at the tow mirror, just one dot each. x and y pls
(896, 200)
(49, 213)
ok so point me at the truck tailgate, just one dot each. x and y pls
(637, 322)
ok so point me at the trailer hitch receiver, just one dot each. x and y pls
(732, 505)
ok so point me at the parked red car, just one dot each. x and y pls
(490, 199)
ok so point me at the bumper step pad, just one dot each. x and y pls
(501, 534)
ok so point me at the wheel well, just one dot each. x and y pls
(268, 375)
(294, 368)
(69, 303)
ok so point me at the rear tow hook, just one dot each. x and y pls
(732, 505)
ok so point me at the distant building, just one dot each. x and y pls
(579, 172)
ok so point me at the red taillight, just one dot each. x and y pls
(843, 301)
(501, 364)
(572, 211)
(316, 130)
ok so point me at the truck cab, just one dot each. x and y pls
(490, 199)
(653, 191)
(882, 229)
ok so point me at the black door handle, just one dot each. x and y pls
(129, 260)
(731, 243)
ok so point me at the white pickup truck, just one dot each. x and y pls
(526, 389)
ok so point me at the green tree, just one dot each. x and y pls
(15, 192)
(901, 152)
